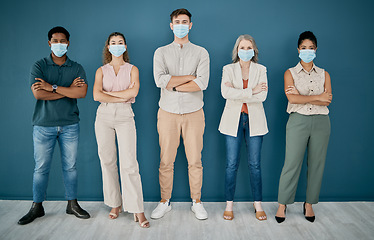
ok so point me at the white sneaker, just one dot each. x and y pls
(199, 210)
(161, 209)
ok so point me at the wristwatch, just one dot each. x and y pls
(54, 88)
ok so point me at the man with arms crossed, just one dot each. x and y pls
(181, 70)
(56, 82)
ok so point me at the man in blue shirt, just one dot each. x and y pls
(56, 83)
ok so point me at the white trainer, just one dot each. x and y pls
(161, 209)
(199, 210)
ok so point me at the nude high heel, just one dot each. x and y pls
(141, 224)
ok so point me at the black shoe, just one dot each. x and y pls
(281, 219)
(74, 208)
(310, 219)
(36, 211)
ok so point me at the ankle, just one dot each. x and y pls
(164, 200)
(258, 206)
(229, 205)
(140, 215)
(281, 206)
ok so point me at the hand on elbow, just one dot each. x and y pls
(259, 88)
(192, 77)
(325, 97)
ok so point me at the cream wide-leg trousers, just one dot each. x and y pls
(116, 120)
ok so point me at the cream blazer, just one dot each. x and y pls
(236, 96)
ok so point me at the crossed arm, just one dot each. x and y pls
(119, 96)
(248, 95)
(42, 90)
(294, 97)
(185, 83)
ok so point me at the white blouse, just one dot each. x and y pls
(308, 84)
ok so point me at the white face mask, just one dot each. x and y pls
(59, 49)
(246, 55)
(307, 55)
(117, 50)
(181, 30)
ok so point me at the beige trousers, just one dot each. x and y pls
(117, 120)
(170, 128)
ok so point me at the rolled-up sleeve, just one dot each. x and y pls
(202, 72)
(160, 72)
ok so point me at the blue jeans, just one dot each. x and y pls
(44, 143)
(253, 145)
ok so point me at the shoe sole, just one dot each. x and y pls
(203, 218)
(24, 223)
(168, 209)
(82, 217)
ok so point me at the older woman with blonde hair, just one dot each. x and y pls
(116, 86)
(244, 86)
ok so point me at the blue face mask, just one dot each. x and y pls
(117, 50)
(59, 49)
(181, 30)
(307, 55)
(246, 55)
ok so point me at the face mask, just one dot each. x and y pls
(117, 50)
(181, 30)
(246, 55)
(307, 55)
(59, 49)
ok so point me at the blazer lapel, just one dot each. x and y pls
(238, 79)
(252, 74)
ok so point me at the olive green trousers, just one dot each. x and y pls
(304, 132)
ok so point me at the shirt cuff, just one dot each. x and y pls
(199, 83)
(164, 80)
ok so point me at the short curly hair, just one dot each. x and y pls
(58, 29)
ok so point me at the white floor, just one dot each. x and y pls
(334, 220)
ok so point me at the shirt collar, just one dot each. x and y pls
(184, 45)
(51, 62)
(299, 68)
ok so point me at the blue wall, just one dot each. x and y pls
(345, 40)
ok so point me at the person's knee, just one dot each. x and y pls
(195, 164)
(69, 168)
(232, 165)
(256, 165)
(166, 165)
(42, 169)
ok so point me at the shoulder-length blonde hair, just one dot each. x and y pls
(107, 56)
(235, 57)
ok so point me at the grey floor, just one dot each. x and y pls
(337, 220)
